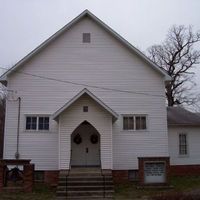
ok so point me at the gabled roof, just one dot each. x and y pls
(68, 26)
(181, 116)
(91, 95)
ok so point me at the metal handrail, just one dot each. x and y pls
(70, 162)
(104, 186)
(69, 169)
(104, 183)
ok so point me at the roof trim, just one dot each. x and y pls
(183, 124)
(84, 91)
(69, 25)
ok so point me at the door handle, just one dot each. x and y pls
(86, 150)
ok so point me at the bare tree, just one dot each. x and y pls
(178, 57)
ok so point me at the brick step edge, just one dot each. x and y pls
(90, 198)
(85, 193)
(85, 186)
(82, 189)
(69, 183)
(86, 178)
(85, 197)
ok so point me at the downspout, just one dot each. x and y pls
(17, 155)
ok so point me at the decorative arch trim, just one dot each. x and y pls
(85, 121)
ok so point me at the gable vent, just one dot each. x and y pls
(85, 108)
(86, 38)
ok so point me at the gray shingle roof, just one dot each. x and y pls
(181, 116)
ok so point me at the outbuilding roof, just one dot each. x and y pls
(87, 13)
(181, 116)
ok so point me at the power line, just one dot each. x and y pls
(85, 85)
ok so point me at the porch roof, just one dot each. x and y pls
(90, 94)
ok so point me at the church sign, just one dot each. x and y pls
(153, 170)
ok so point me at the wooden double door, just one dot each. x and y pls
(85, 146)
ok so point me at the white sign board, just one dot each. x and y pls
(154, 172)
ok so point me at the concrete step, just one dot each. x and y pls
(62, 178)
(84, 188)
(93, 178)
(89, 198)
(82, 183)
(61, 188)
(88, 173)
(84, 176)
(95, 193)
(61, 193)
(85, 198)
(85, 170)
(85, 184)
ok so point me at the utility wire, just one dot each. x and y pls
(85, 85)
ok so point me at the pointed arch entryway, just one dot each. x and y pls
(85, 146)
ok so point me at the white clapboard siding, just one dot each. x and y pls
(105, 63)
(193, 137)
(40, 147)
(10, 136)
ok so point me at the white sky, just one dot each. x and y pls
(24, 24)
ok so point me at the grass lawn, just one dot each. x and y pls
(41, 192)
(180, 185)
(122, 191)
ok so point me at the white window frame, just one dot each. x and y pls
(31, 123)
(187, 146)
(37, 123)
(134, 124)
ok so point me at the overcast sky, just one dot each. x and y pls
(24, 24)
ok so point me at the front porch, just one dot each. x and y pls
(85, 148)
(85, 132)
